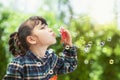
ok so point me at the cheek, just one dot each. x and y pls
(47, 39)
(43, 39)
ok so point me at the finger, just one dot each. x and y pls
(67, 33)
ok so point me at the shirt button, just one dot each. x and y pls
(67, 64)
(51, 72)
(67, 47)
(50, 51)
(39, 63)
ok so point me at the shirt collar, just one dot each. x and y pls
(38, 59)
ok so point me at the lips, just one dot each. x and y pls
(53, 34)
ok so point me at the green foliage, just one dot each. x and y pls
(9, 22)
(3, 57)
(98, 62)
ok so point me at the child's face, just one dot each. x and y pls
(43, 35)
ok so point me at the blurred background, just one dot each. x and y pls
(94, 25)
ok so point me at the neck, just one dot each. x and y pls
(39, 51)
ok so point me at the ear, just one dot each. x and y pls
(31, 39)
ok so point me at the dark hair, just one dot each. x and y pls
(17, 41)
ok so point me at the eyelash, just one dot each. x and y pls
(42, 27)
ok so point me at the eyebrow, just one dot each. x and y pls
(41, 25)
(38, 18)
(36, 22)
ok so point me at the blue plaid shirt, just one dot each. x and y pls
(30, 67)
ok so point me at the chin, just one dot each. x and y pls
(54, 41)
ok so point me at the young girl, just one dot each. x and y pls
(32, 59)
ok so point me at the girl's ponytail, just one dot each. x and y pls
(15, 46)
(12, 42)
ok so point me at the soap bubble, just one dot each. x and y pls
(50, 51)
(90, 43)
(61, 54)
(102, 43)
(87, 48)
(111, 61)
(86, 61)
(109, 39)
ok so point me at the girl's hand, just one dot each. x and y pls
(65, 36)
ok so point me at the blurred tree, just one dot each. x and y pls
(98, 45)
(3, 58)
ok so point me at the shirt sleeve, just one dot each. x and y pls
(14, 71)
(68, 62)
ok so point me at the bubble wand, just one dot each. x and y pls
(63, 34)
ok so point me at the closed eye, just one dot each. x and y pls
(43, 27)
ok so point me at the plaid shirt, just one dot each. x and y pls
(30, 67)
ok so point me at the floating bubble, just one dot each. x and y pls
(109, 39)
(87, 49)
(50, 51)
(102, 43)
(111, 61)
(61, 54)
(90, 43)
(86, 61)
